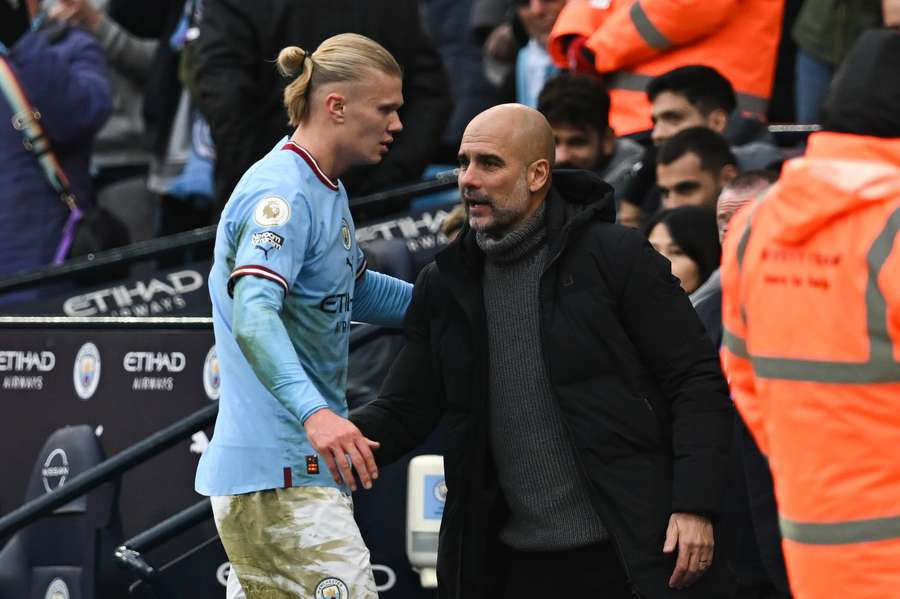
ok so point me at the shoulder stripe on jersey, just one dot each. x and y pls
(256, 271)
(304, 153)
(362, 268)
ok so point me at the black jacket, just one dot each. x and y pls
(239, 90)
(637, 381)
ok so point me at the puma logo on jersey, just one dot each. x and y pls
(267, 241)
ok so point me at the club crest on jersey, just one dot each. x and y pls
(345, 235)
(332, 588)
(271, 212)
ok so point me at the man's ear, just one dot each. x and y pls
(538, 174)
(334, 106)
(717, 120)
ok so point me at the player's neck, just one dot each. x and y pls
(322, 147)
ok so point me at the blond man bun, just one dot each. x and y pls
(343, 57)
(290, 61)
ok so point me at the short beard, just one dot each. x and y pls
(505, 220)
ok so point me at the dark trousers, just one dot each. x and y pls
(592, 572)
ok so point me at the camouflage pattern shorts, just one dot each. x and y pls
(300, 542)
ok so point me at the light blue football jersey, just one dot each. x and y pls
(288, 223)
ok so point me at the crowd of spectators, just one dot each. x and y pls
(188, 97)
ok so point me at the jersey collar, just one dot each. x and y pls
(305, 155)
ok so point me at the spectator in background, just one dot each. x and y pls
(462, 57)
(688, 238)
(62, 72)
(628, 42)
(811, 310)
(577, 108)
(533, 64)
(825, 31)
(699, 96)
(184, 153)
(695, 96)
(500, 34)
(239, 90)
(753, 543)
(740, 191)
(693, 167)
(159, 176)
(121, 160)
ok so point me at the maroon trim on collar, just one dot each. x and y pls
(304, 153)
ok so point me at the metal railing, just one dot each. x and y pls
(105, 322)
(128, 254)
(203, 237)
(129, 553)
(101, 473)
(784, 128)
(441, 182)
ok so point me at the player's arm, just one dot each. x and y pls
(264, 341)
(380, 299)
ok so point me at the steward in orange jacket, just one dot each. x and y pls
(811, 310)
(633, 41)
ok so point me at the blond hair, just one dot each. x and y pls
(343, 57)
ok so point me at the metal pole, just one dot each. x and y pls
(443, 181)
(170, 527)
(106, 322)
(104, 471)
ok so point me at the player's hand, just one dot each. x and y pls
(693, 536)
(341, 445)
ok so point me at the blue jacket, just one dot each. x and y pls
(63, 72)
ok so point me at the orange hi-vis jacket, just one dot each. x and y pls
(811, 311)
(636, 40)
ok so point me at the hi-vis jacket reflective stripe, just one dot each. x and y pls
(811, 311)
(636, 40)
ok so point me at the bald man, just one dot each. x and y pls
(586, 419)
(741, 190)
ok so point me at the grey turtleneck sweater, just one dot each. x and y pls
(549, 502)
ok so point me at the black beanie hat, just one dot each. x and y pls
(14, 21)
(695, 231)
(865, 93)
